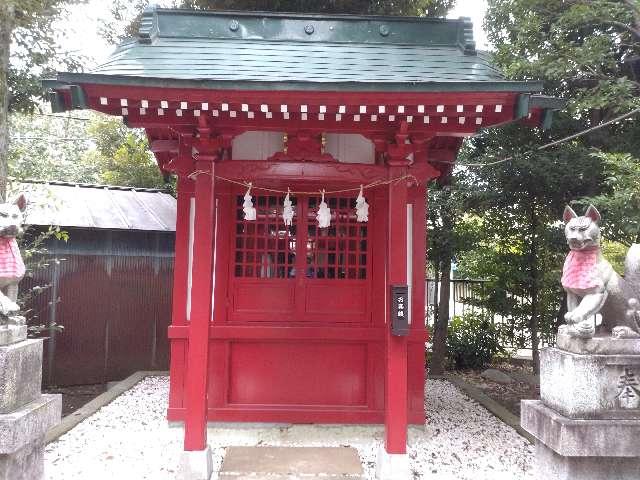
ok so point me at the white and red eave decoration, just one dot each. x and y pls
(461, 113)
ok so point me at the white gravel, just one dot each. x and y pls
(130, 439)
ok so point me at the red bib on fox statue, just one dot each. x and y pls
(11, 264)
(580, 270)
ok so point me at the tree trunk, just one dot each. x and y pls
(534, 275)
(6, 27)
(441, 324)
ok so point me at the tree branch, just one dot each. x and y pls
(635, 8)
(623, 26)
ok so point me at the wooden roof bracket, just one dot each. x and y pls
(401, 152)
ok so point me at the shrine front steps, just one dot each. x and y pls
(275, 463)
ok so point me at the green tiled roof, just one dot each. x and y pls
(258, 51)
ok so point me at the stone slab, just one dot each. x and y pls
(598, 345)
(551, 466)
(580, 438)
(496, 376)
(25, 464)
(20, 374)
(307, 462)
(23, 426)
(583, 386)
(12, 334)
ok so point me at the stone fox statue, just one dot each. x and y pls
(11, 265)
(593, 286)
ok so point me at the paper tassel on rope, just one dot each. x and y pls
(247, 206)
(324, 214)
(362, 207)
(287, 212)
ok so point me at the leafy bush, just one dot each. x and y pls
(36, 257)
(473, 340)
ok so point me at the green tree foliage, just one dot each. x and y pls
(520, 205)
(122, 155)
(449, 235)
(126, 14)
(473, 341)
(589, 53)
(433, 8)
(28, 49)
(620, 203)
(50, 148)
(580, 49)
(93, 148)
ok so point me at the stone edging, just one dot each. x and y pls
(97, 403)
(487, 402)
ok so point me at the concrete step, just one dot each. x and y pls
(279, 463)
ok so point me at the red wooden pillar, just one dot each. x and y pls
(180, 287)
(195, 425)
(395, 415)
(418, 199)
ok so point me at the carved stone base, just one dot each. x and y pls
(26, 463)
(12, 334)
(22, 435)
(551, 466)
(568, 449)
(20, 374)
(598, 345)
(582, 386)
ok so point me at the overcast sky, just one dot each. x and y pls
(81, 26)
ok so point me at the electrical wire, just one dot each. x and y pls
(54, 138)
(550, 144)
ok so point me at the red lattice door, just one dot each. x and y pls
(300, 273)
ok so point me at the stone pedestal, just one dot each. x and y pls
(587, 423)
(196, 465)
(12, 334)
(25, 414)
(392, 466)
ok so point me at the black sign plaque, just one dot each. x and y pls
(400, 310)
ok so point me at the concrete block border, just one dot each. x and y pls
(487, 402)
(97, 403)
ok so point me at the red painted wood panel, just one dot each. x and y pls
(346, 301)
(262, 298)
(281, 373)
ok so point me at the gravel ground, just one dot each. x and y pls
(130, 439)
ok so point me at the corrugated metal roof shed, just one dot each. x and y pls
(98, 206)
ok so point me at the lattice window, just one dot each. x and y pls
(265, 248)
(339, 251)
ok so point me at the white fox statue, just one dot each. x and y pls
(593, 286)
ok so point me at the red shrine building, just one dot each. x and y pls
(289, 320)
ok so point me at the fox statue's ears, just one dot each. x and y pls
(593, 214)
(21, 202)
(568, 214)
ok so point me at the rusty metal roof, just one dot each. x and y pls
(97, 206)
